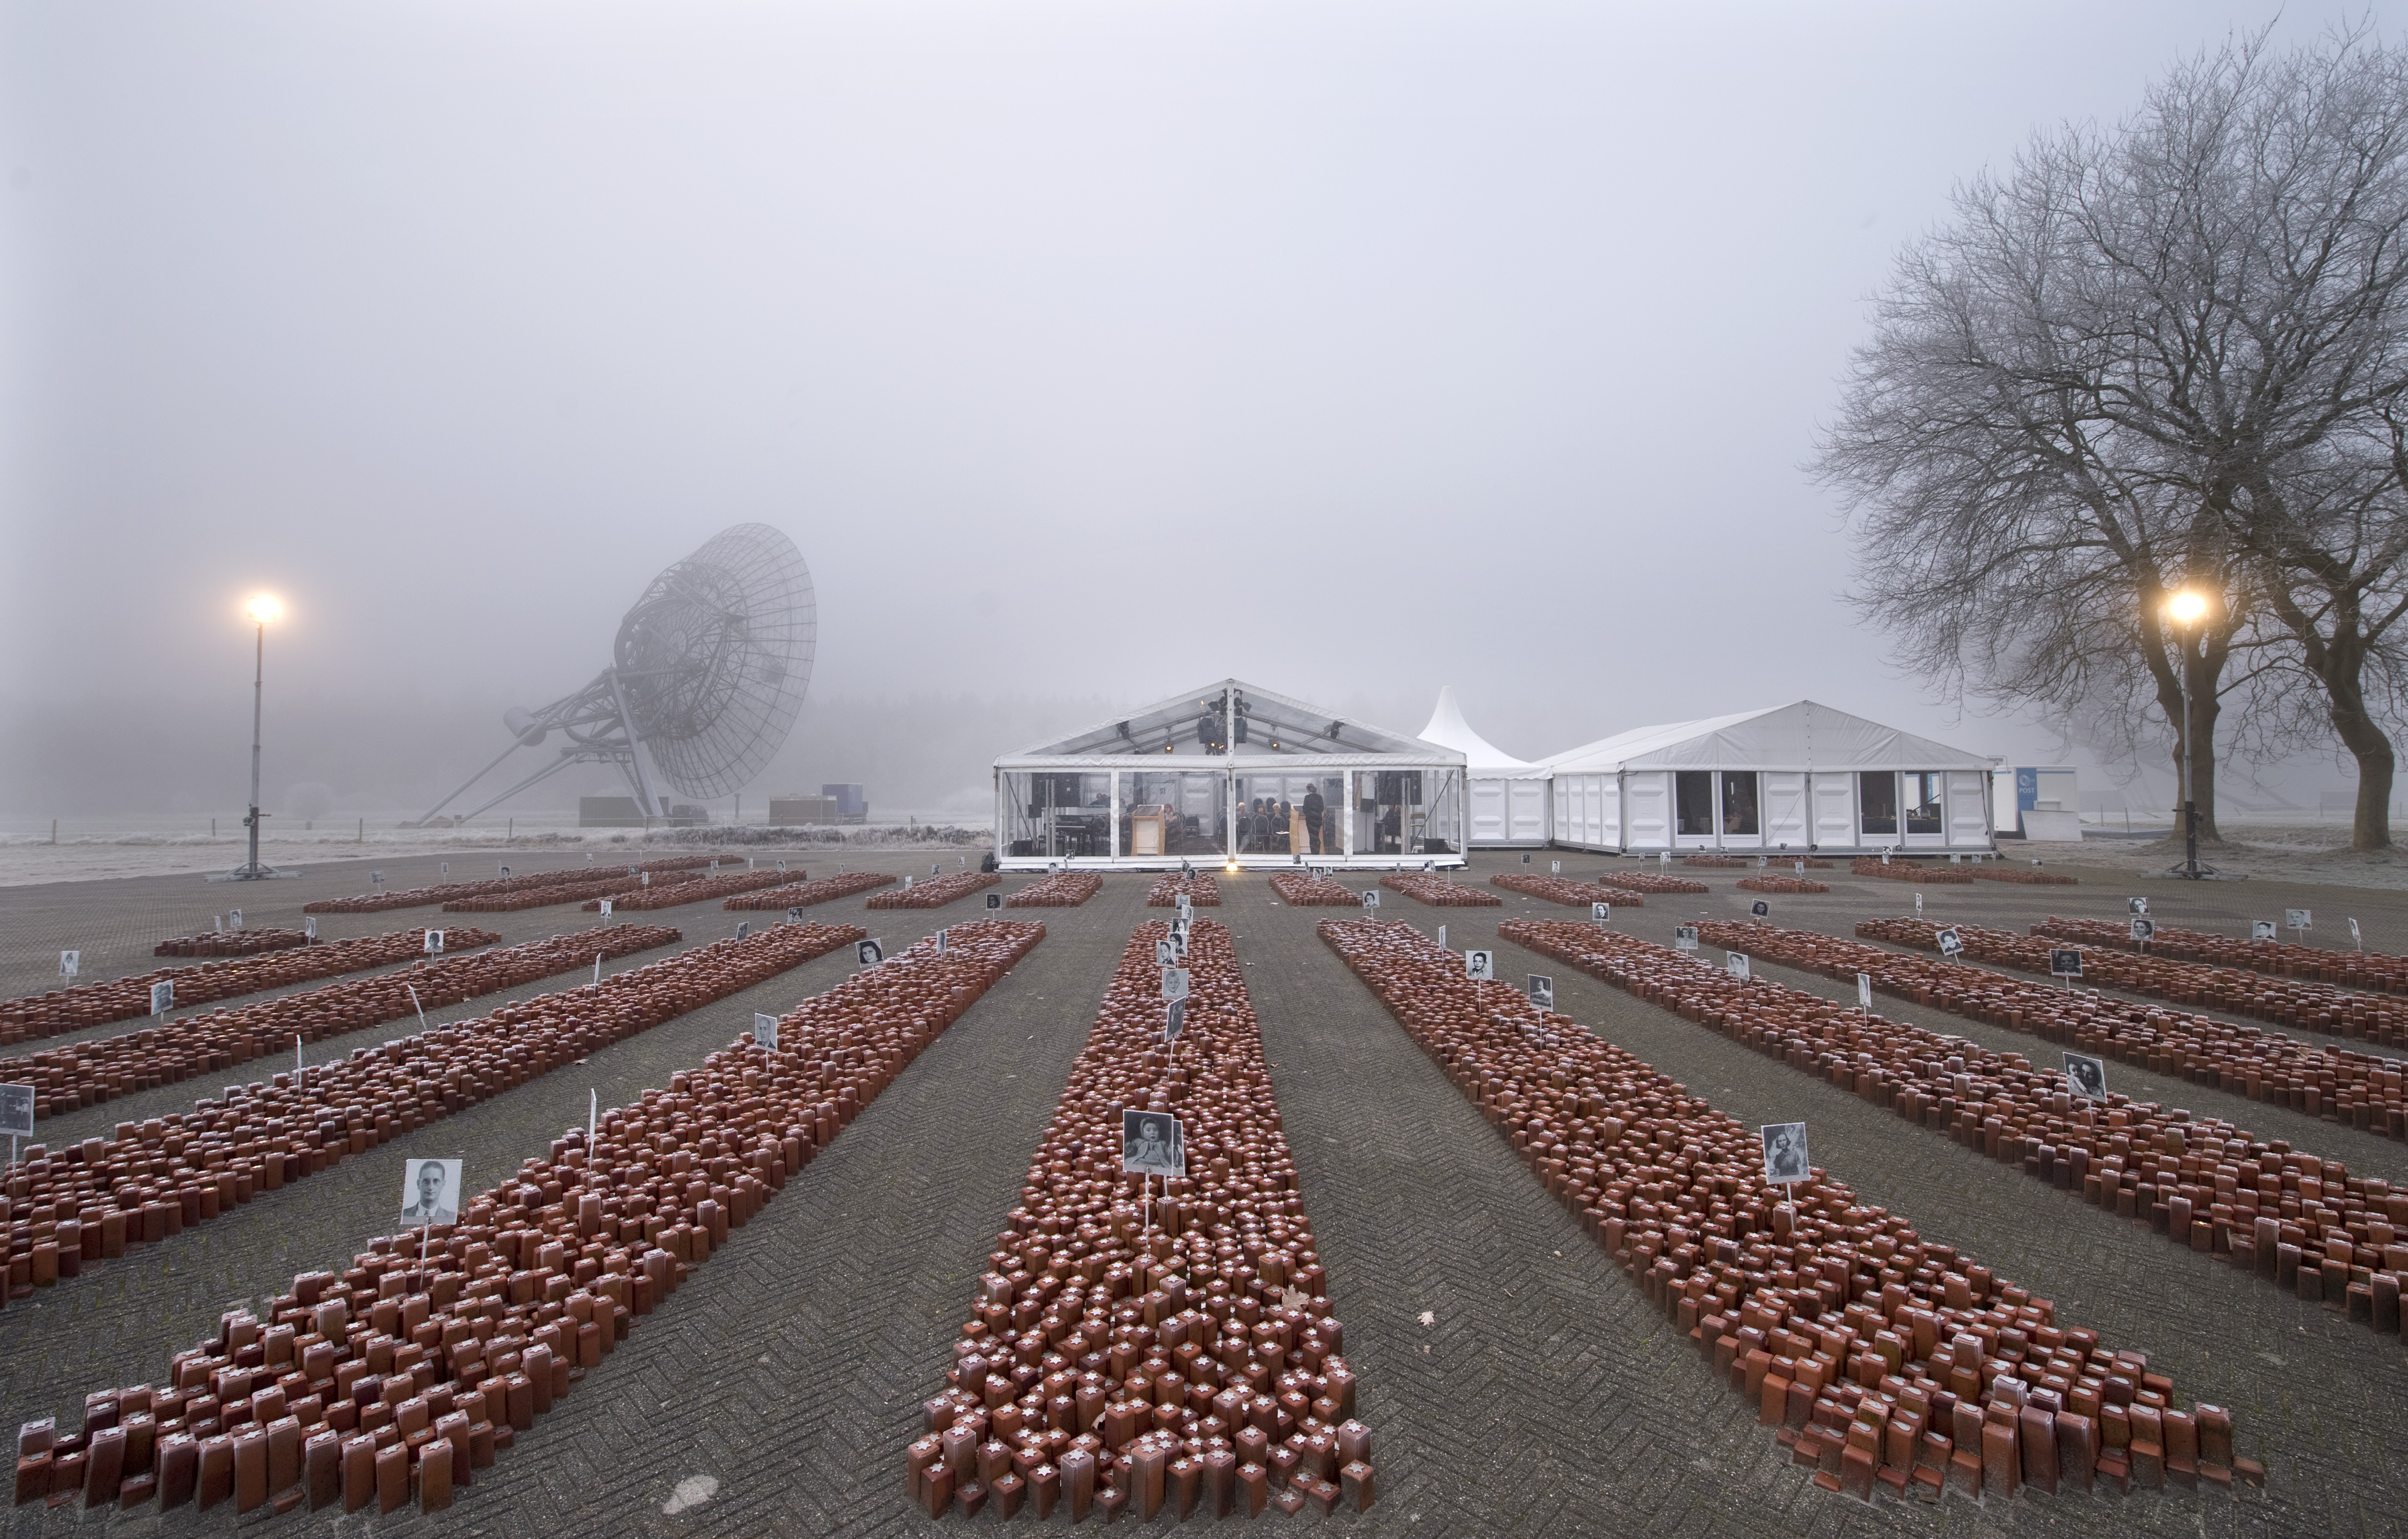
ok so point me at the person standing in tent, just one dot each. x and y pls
(1313, 817)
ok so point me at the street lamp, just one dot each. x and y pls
(261, 609)
(2186, 609)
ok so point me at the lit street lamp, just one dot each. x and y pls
(2186, 609)
(261, 609)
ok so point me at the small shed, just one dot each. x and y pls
(1231, 774)
(1802, 777)
(1505, 798)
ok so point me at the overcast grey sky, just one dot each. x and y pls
(1087, 351)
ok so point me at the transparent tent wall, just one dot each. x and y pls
(1173, 813)
(1053, 814)
(1282, 813)
(1407, 813)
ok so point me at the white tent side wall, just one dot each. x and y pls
(1799, 776)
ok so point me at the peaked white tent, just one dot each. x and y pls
(1794, 777)
(1505, 798)
(1227, 775)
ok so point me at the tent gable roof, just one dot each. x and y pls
(1448, 729)
(1803, 735)
(1277, 724)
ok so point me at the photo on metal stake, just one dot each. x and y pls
(1152, 1143)
(1785, 1153)
(1865, 992)
(995, 901)
(1735, 963)
(1174, 1019)
(2135, 905)
(765, 1030)
(2261, 929)
(1479, 966)
(1951, 944)
(2298, 918)
(1760, 909)
(433, 943)
(793, 916)
(606, 908)
(1684, 938)
(430, 1191)
(163, 997)
(1370, 898)
(870, 952)
(70, 963)
(1541, 990)
(1601, 913)
(2064, 962)
(2085, 1076)
(2144, 930)
(1174, 983)
(17, 1110)
(1166, 952)
(743, 929)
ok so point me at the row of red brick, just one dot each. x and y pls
(1557, 889)
(1306, 891)
(1061, 890)
(2367, 970)
(124, 998)
(155, 1180)
(1907, 870)
(1890, 1362)
(1782, 884)
(802, 895)
(2320, 1080)
(2026, 876)
(935, 892)
(2285, 1001)
(1439, 892)
(87, 1074)
(1200, 890)
(676, 894)
(1649, 882)
(232, 942)
(2202, 1182)
(396, 1380)
(1138, 1354)
(412, 898)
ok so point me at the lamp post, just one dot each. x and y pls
(262, 609)
(2186, 609)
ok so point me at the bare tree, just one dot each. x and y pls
(2154, 358)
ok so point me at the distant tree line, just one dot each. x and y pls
(2163, 357)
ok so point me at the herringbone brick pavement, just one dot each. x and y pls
(1544, 1396)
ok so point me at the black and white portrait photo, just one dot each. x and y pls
(870, 952)
(2065, 962)
(1152, 1143)
(430, 1192)
(1479, 966)
(17, 1110)
(2086, 1077)
(1541, 990)
(1785, 1152)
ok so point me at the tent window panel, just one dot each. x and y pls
(1877, 802)
(1923, 793)
(1693, 797)
(1180, 814)
(1286, 814)
(1740, 815)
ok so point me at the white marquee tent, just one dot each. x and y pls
(1505, 798)
(1226, 775)
(1794, 777)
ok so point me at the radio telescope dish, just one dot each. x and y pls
(704, 679)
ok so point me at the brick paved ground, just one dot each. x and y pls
(1546, 1396)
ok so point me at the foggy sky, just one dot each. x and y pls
(1087, 352)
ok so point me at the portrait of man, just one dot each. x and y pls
(1152, 1143)
(1785, 1152)
(430, 1192)
(1479, 966)
(2086, 1077)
